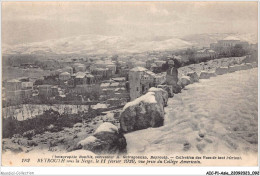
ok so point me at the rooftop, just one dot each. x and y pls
(89, 75)
(80, 75)
(138, 69)
(119, 79)
(65, 73)
(13, 80)
(105, 85)
(45, 86)
(114, 84)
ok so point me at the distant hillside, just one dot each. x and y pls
(97, 44)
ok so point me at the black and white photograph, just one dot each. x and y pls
(129, 83)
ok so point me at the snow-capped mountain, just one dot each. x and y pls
(97, 44)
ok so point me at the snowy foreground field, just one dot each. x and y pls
(214, 116)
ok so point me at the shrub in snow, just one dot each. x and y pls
(239, 67)
(29, 134)
(207, 74)
(193, 77)
(233, 68)
(249, 65)
(254, 64)
(77, 125)
(32, 143)
(245, 66)
(50, 127)
(107, 140)
(221, 70)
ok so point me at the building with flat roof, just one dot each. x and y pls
(64, 76)
(141, 79)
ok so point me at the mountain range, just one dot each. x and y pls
(98, 44)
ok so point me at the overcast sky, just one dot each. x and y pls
(24, 22)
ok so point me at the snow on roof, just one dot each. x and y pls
(114, 84)
(120, 88)
(119, 79)
(211, 51)
(206, 50)
(104, 84)
(89, 75)
(65, 73)
(13, 80)
(100, 69)
(27, 84)
(23, 78)
(106, 127)
(150, 73)
(201, 51)
(80, 75)
(138, 69)
(99, 105)
(147, 98)
(231, 38)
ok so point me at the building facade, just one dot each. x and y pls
(141, 79)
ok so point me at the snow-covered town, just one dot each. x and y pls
(96, 94)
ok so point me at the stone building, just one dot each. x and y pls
(13, 91)
(45, 91)
(172, 77)
(141, 79)
(229, 42)
(13, 85)
(18, 90)
(135, 82)
(86, 88)
(78, 67)
(68, 69)
(64, 76)
(205, 53)
(82, 78)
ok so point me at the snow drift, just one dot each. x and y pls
(144, 112)
(106, 139)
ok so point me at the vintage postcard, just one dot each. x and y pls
(129, 84)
